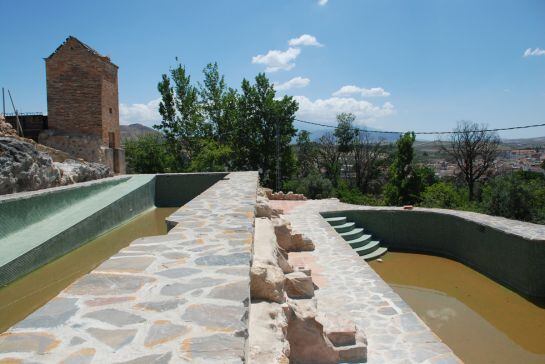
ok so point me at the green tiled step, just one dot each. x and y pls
(334, 221)
(377, 253)
(352, 234)
(345, 227)
(359, 242)
(368, 248)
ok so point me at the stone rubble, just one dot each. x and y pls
(299, 285)
(290, 196)
(263, 209)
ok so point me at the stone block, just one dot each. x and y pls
(299, 285)
(289, 241)
(308, 343)
(339, 329)
(268, 328)
(356, 353)
(266, 282)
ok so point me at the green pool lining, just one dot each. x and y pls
(510, 259)
(20, 210)
(38, 234)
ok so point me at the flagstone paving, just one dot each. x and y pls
(180, 297)
(347, 284)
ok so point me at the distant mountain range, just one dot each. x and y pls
(132, 131)
(135, 130)
(375, 134)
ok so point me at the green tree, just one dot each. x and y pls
(182, 117)
(212, 157)
(406, 182)
(306, 154)
(518, 195)
(219, 103)
(443, 195)
(260, 114)
(313, 186)
(345, 133)
(149, 153)
(346, 136)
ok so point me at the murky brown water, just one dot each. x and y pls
(481, 321)
(25, 295)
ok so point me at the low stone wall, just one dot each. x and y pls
(510, 252)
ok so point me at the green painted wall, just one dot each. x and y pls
(190, 186)
(21, 210)
(512, 260)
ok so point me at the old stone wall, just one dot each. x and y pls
(84, 146)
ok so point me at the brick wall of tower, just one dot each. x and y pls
(82, 96)
(110, 111)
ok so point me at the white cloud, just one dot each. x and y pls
(296, 82)
(534, 52)
(325, 110)
(364, 92)
(305, 40)
(147, 114)
(278, 60)
(322, 2)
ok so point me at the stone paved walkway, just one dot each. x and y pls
(180, 297)
(348, 284)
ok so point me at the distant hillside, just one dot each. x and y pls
(506, 144)
(135, 130)
(525, 142)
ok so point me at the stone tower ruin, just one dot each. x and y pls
(83, 105)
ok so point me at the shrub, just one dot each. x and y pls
(442, 195)
(354, 196)
(313, 186)
(212, 157)
(519, 195)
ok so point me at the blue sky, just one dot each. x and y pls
(397, 64)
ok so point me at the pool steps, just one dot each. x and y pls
(359, 241)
